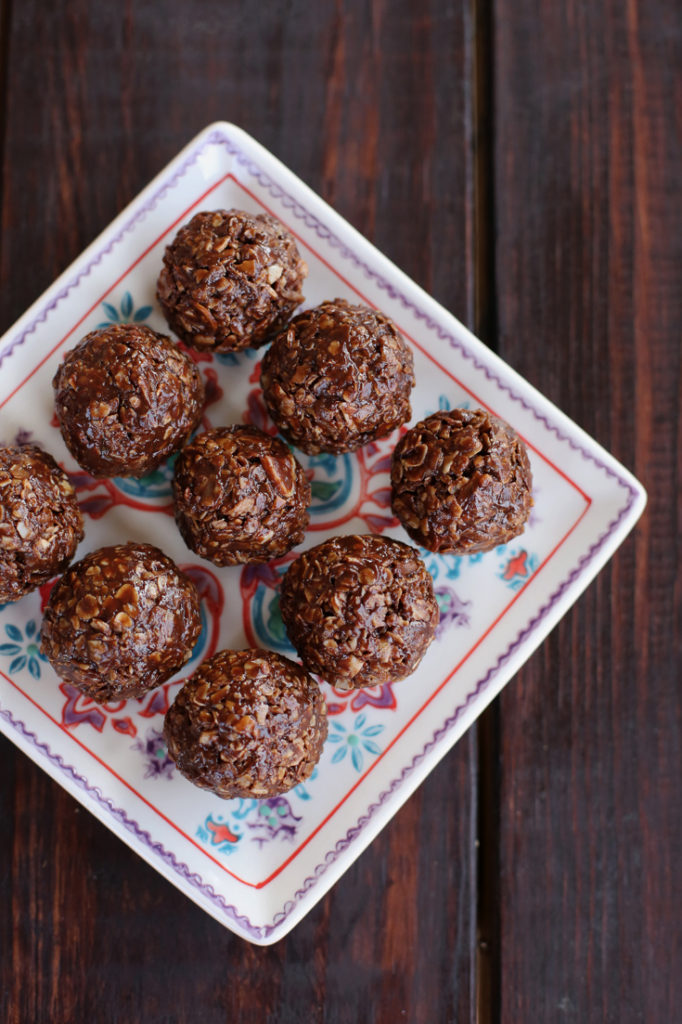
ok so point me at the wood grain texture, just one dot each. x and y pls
(371, 105)
(589, 303)
(572, 266)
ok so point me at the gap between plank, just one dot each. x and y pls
(485, 326)
(5, 29)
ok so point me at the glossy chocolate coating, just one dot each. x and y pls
(121, 622)
(337, 377)
(247, 724)
(126, 398)
(461, 482)
(230, 279)
(240, 496)
(360, 610)
(40, 522)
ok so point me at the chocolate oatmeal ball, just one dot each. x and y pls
(461, 482)
(360, 610)
(126, 399)
(240, 496)
(121, 622)
(230, 279)
(40, 522)
(247, 724)
(337, 377)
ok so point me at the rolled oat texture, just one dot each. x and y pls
(121, 622)
(230, 279)
(461, 482)
(126, 398)
(360, 610)
(248, 724)
(240, 496)
(337, 377)
(40, 522)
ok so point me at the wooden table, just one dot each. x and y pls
(521, 160)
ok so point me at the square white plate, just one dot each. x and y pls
(258, 867)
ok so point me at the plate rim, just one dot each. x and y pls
(560, 599)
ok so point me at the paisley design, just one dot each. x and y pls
(344, 487)
(97, 496)
(243, 830)
(267, 621)
(259, 588)
(155, 485)
(331, 481)
(381, 696)
(79, 709)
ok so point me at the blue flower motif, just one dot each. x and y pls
(24, 648)
(125, 313)
(355, 741)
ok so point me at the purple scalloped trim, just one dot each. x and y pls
(324, 233)
(218, 137)
(136, 217)
(447, 725)
(132, 826)
(264, 931)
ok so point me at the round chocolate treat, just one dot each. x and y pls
(461, 482)
(126, 398)
(40, 522)
(337, 377)
(359, 610)
(229, 279)
(121, 622)
(247, 724)
(240, 496)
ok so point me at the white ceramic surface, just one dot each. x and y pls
(259, 867)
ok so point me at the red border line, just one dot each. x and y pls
(111, 288)
(435, 693)
(120, 778)
(417, 344)
(452, 673)
(405, 727)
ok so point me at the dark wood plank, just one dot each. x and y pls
(587, 158)
(370, 104)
